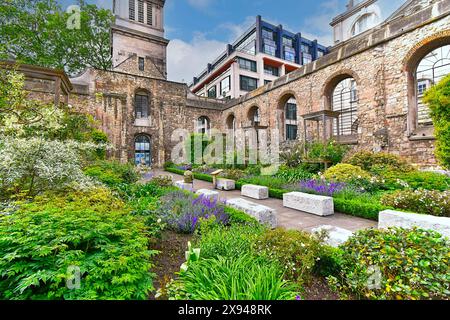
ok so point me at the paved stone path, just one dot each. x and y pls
(289, 218)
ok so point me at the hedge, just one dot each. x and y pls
(352, 207)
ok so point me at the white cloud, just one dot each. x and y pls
(237, 30)
(187, 59)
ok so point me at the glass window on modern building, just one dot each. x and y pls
(268, 34)
(289, 54)
(320, 54)
(270, 47)
(307, 58)
(248, 84)
(267, 82)
(225, 85)
(141, 64)
(246, 64)
(272, 71)
(132, 10)
(212, 92)
(288, 42)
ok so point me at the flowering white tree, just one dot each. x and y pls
(35, 164)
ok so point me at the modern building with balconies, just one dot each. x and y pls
(262, 54)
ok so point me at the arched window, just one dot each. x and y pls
(254, 116)
(291, 119)
(141, 105)
(142, 151)
(431, 69)
(231, 122)
(203, 125)
(364, 23)
(345, 101)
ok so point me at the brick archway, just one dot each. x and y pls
(333, 81)
(410, 63)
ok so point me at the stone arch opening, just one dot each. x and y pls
(142, 150)
(341, 95)
(203, 125)
(287, 116)
(231, 122)
(254, 116)
(425, 65)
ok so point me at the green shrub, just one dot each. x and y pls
(291, 175)
(296, 250)
(230, 242)
(162, 181)
(412, 264)
(345, 173)
(112, 173)
(268, 181)
(438, 99)
(245, 277)
(329, 262)
(92, 231)
(378, 163)
(436, 203)
(426, 180)
(359, 205)
(239, 217)
(328, 151)
(233, 174)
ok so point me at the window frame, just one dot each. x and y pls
(211, 89)
(139, 105)
(241, 78)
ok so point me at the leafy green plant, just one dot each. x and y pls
(291, 175)
(378, 163)
(426, 180)
(245, 277)
(436, 203)
(231, 242)
(438, 100)
(296, 250)
(328, 151)
(394, 264)
(112, 173)
(345, 173)
(90, 231)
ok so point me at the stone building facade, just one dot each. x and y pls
(381, 61)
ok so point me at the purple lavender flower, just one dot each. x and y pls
(321, 187)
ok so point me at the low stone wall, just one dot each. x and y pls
(310, 203)
(263, 214)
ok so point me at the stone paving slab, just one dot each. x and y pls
(290, 218)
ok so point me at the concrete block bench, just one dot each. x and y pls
(335, 235)
(391, 218)
(226, 184)
(184, 186)
(262, 214)
(310, 203)
(209, 194)
(255, 192)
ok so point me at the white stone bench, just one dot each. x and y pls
(310, 203)
(255, 192)
(262, 214)
(184, 186)
(335, 235)
(391, 218)
(226, 184)
(209, 194)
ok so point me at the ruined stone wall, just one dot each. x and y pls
(109, 96)
(378, 62)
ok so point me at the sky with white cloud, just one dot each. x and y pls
(200, 29)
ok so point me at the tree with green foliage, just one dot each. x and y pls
(438, 99)
(40, 32)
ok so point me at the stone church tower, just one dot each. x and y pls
(138, 43)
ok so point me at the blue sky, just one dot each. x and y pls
(200, 29)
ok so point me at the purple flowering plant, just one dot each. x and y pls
(182, 212)
(321, 187)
